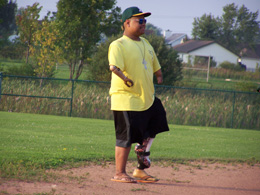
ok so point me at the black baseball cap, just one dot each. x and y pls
(133, 11)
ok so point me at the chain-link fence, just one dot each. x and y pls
(90, 99)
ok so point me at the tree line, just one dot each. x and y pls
(79, 34)
(235, 29)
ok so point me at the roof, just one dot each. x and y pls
(251, 52)
(175, 36)
(191, 45)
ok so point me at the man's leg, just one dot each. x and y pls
(121, 155)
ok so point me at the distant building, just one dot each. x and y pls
(173, 39)
(250, 57)
(188, 50)
(167, 34)
(176, 39)
(13, 38)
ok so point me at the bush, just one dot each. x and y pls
(98, 68)
(12, 51)
(168, 59)
(232, 66)
(227, 65)
(23, 70)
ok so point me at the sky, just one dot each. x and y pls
(174, 15)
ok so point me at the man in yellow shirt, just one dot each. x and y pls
(138, 114)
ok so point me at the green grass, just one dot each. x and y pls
(41, 138)
(32, 143)
(188, 142)
(45, 139)
(62, 72)
(221, 84)
(5, 63)
(213, 83)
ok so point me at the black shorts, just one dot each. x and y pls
(135, 126)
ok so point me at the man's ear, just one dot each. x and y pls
(127, 22)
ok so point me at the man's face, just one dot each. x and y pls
(136, 25)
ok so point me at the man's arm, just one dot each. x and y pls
(159, 76)
(128, 82)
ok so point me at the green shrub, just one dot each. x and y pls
(227, 65)
(12, 51)
(232, 66)
(23, 70)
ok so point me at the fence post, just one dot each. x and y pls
(208, 69)
(71, 99)
(233, 108)
(1, 85)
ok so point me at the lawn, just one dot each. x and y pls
(48, 140)
(32, 143)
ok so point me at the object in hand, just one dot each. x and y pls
(128, 82)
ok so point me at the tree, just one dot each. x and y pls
(112, 24)
(236, 28)
(153, 28)
(247, 26)
(2, 3)
(98, 68)
(205, 28)
(239, 27)
(45, 49)
(28, 24)
(168, 58)
(228, 26)
(81, 23)
(7, 17)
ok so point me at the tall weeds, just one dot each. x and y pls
(91, 100)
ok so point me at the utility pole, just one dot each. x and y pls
(208, 69)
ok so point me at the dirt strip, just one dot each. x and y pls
(196, 178)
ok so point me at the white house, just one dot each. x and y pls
(188, 50)
(251, 57)
(13, 38)
(175, 38)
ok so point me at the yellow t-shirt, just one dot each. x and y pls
(128, 55)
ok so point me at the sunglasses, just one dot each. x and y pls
(141, 21)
